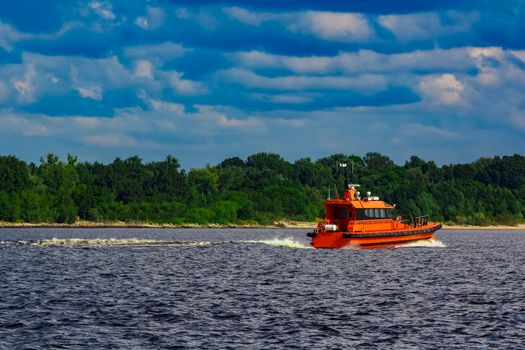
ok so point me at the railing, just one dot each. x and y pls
(416, 220)
(421, 220)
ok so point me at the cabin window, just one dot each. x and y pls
(343, 213)
(375, 213)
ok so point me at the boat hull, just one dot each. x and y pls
(381, 239)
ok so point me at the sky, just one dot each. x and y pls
(207, 80)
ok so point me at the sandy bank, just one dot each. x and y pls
(490, 227)
(276, 224)
(121, 224)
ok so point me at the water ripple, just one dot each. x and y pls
(209, 289)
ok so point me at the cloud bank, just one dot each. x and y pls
(205, 80)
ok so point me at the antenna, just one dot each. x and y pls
(343, 165)
(354, 183)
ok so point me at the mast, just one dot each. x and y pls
(343, 165)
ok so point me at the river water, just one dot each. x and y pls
(257, 288)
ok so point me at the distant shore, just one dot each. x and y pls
(122, 224)
(489, 227)
(276, 224)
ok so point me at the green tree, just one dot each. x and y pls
(14, 174)
(203, 185)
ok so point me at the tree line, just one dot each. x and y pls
(260, 189)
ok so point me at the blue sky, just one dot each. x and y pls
(207, 80)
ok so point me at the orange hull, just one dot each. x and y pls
(377, 239)
(367, 222)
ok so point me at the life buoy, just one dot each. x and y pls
(398, 218)
(321, 226)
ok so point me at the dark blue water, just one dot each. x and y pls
(210, 289)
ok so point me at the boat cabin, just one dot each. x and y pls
(347, 213)
(367, 222)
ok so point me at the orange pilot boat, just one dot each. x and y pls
(367, 223)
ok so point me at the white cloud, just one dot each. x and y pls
(247, 17)
(519, 54)
(157, 16)
(9, 36)
(336, 26)
(425, 131)
(488, 76)
(443, 89)
(182, 13)
(412, 26)
(184, 86)
(259, 59)
(154, 18)
(252, 80)
(83, 86)
(484, 58)
(26, 86)
(206, 19)
(102, 9)
(4, 92)
(156, 52)
(291, 99)
(39, 75)
(363, 61)
(143, 69)
(95, 131)
(517, 118)
(310, 64)
(347, 27)
(108, 73)
(248, 123)
(480, 53)
(163, 106)
(422, 26)
(283, 98)
(130, 127)
(22, 126)
(94, 92)
(142, 22)
(69, 126)
(209, 118)
(291, 123)
(110, 140)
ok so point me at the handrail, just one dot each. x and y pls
(422, 220)
(416, 220)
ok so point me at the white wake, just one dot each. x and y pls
(426, 243)
(68, 242)
(281, 242)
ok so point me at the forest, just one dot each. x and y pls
(258, 190)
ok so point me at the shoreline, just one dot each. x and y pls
(121, 224)
(489, 227)
(276, 224)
